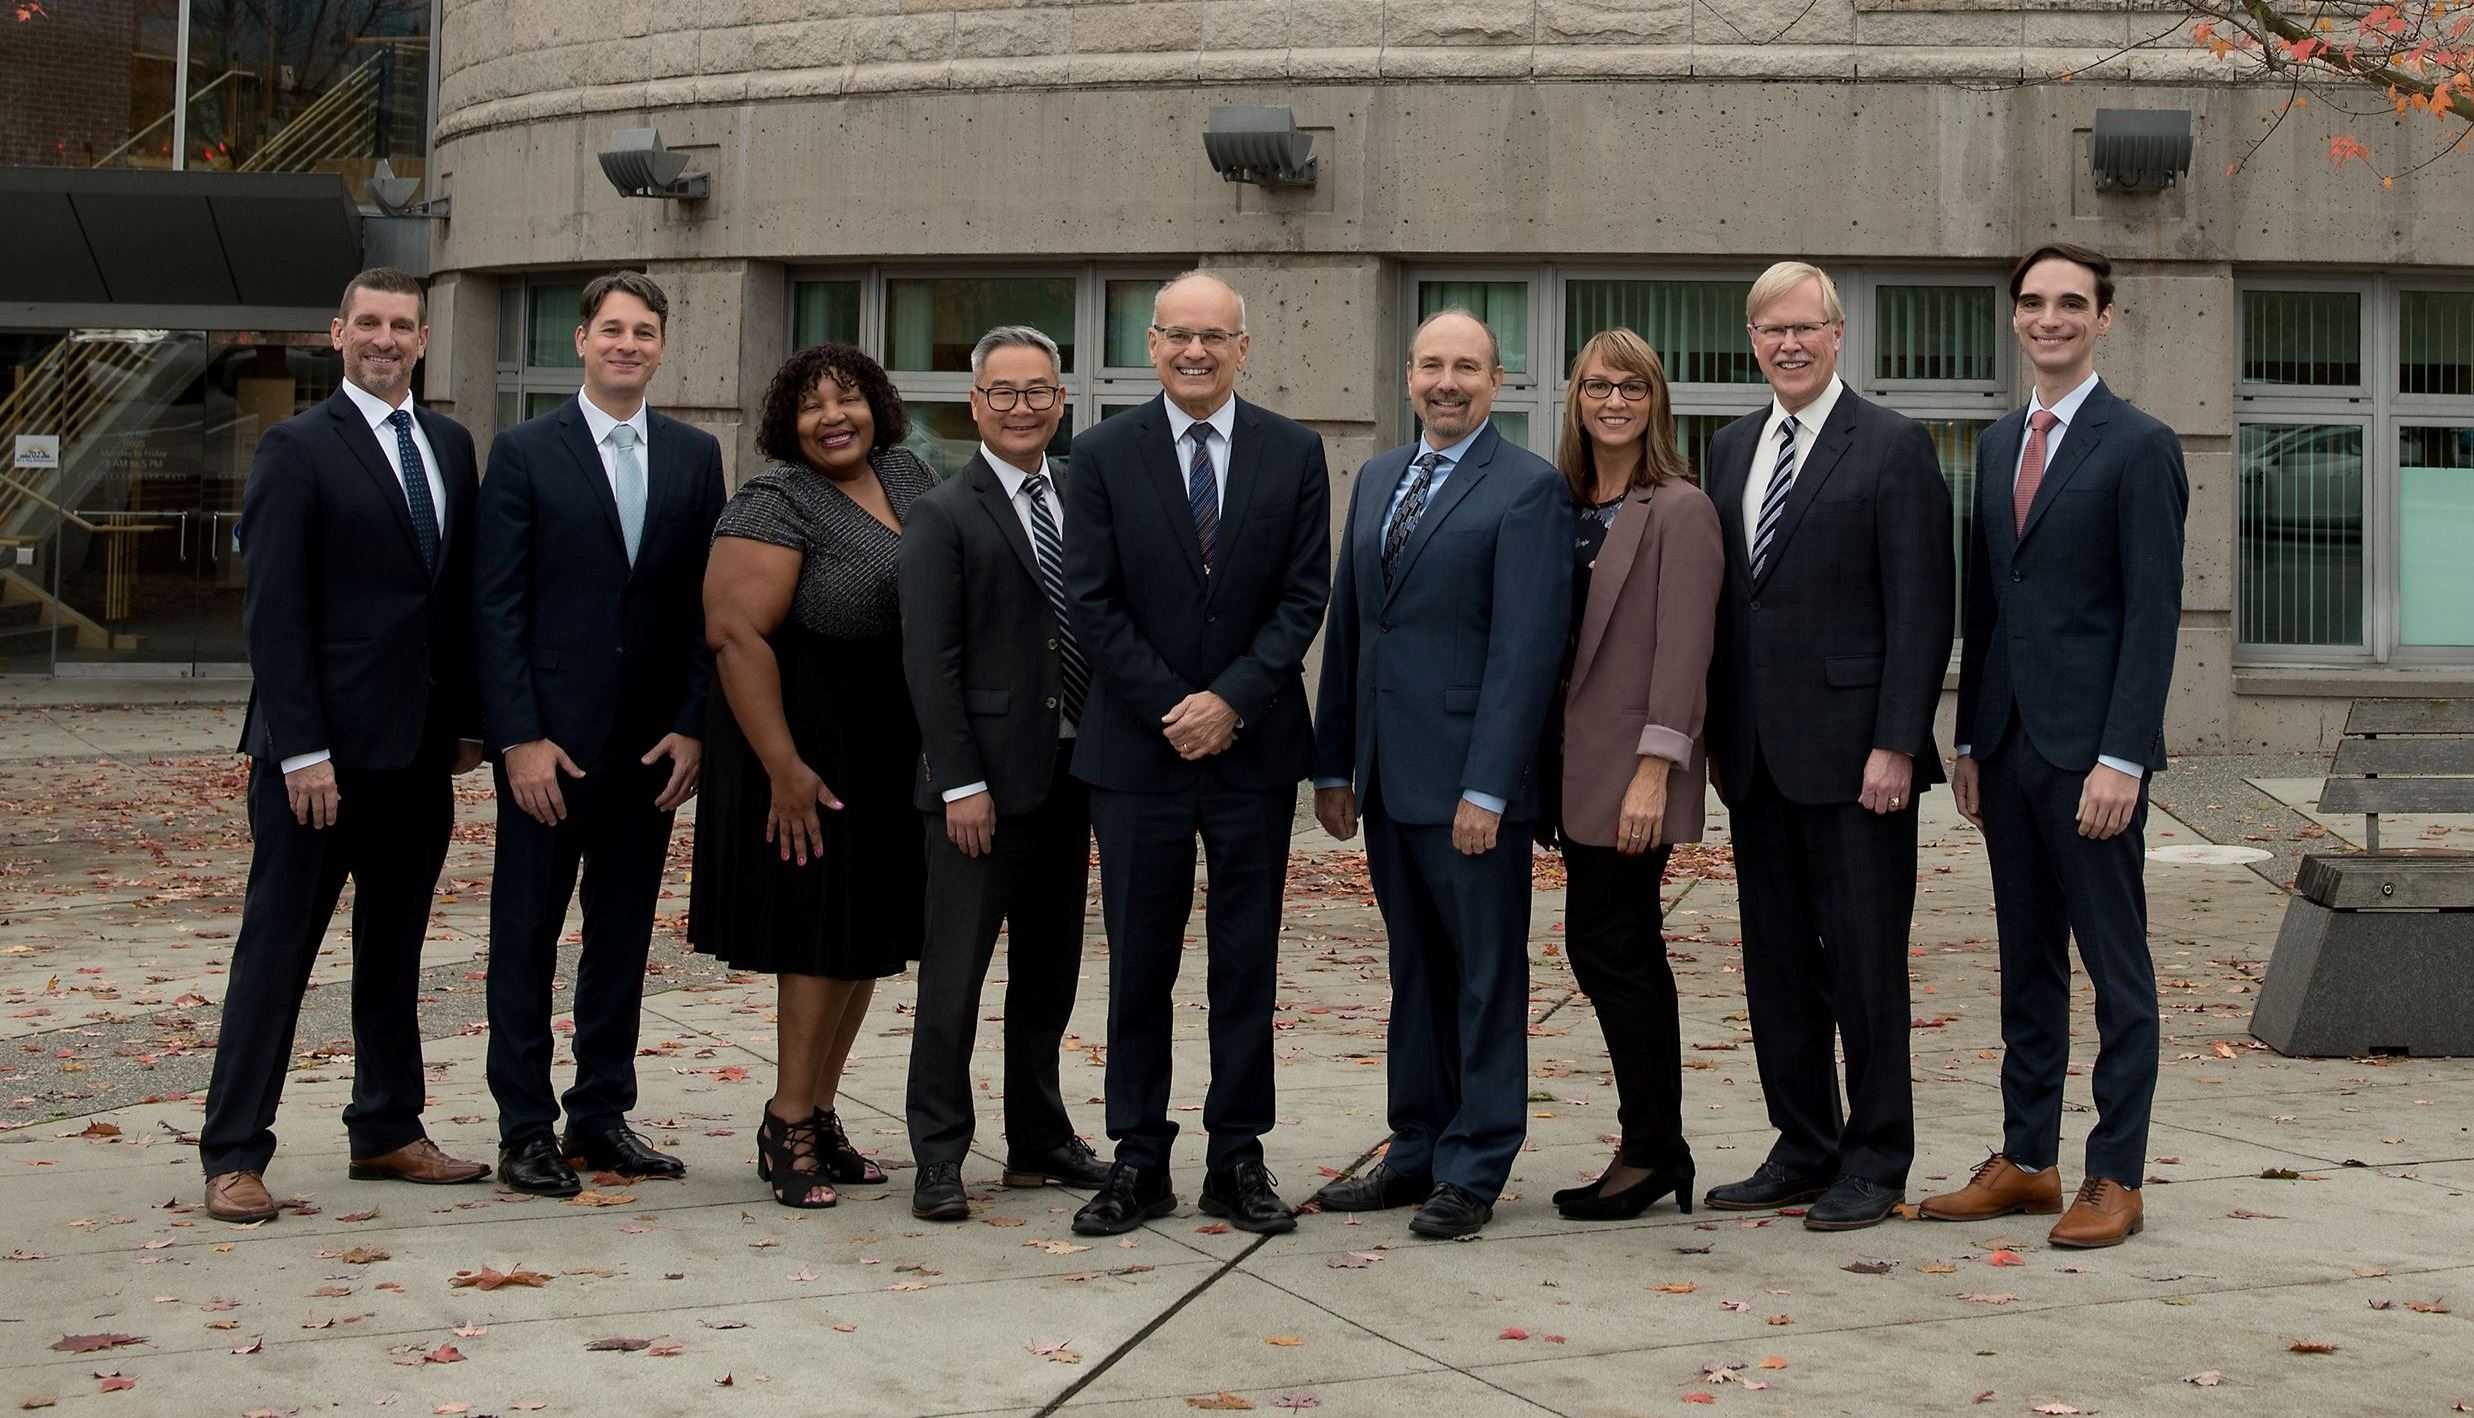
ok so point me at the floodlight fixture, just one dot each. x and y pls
(1258, 144)
(2140, 149)
(639, 166)
(400, 196)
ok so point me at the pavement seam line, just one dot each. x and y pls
(1151, 1327)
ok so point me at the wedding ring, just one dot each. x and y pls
(1894, 802)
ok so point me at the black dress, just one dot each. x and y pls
(857, 912)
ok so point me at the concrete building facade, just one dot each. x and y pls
(905, 172)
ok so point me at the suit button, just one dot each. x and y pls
(1051, 702)
(1386, 625)
(1209, 619)
(1756, 605)
(2015, 576)
(1052, 642)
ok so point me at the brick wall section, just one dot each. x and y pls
(511, 61)
(64, 82)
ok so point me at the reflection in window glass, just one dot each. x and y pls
(1128, 320)
(509, 409)
(2435, 342)
(1954, 447)
(511, 324)
(944, 437)
(539, 402)
(309, 88)
(822, 311)
(1934, 332)
(1503, 305)
(1692, 435)
(2435, 526)
(2298, 522)
(550, 324)
(1697, 327)
(2302, 337)
(932, 322)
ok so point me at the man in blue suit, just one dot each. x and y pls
(1448, 613)
(2074, 598)
(588, 615)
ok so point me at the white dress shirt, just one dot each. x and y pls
(601, 423)
(1223, 423)
(1013, 478)
(2066, 409)
(377, 411)
(1808, 422)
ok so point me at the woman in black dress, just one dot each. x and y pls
(808, 857)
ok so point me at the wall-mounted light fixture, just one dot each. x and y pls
(400, 196)
(2140, 149)
(639, 166)
(1260, 145)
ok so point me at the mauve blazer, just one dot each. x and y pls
(1640, 669)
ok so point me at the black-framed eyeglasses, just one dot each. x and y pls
(1038, 398)
(1633, 390)
(1177, 337)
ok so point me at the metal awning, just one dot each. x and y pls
(187, 250)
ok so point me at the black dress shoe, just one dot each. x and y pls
(1451, 1213)
(1768, 1188)
(621, 1151)
(1851, 1204)
(1378, 1188)
(1126, 1200)
(1248, 1195)
(1070, 1163)
(536, 1165)
(937, 1194)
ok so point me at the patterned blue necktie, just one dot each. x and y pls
(1404, 517)
(1049, 549)
(416, 489)
(1774, 502)
(627, 485)
(1202, 493)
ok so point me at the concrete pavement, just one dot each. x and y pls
(121, 886)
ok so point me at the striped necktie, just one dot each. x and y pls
(1202, 492)
(1774, 502)
(1404, 517)
(1049, 549)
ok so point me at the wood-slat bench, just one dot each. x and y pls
(2377, 952)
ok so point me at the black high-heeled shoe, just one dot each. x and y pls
(842, 1161)
(780, 1147)
(1597, 1205)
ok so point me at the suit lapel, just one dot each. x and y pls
(661, 475)
(1606, 579)
(1997, 475)
(578, 436)
(1457, 484)
(1725, 483)
(2078, 440)
(453, 510)
(1245, 462)
(1168, 477)
(358, 436)
(1000, 509)
(1837, 436)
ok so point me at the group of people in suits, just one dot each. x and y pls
(935, 695)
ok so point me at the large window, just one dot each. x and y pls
(537, 361)
(1932, 345)
(2354, 473)
(921, 325)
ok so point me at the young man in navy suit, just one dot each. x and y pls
(2074, 600)
(356, 529)
(588, 607)
(1447, 624)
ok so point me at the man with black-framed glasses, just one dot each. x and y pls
(999, 683)
(1197, 560)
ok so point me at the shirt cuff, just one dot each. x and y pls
(2122, 765)
(955, 795)
(299, 761)
(1321, 783)
(1963, 751)
(1487, 801)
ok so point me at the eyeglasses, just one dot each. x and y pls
(1802, 330)
(1177, 337)
(1039, 398)
(1633, 390)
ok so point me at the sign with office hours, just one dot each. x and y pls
(38, 452)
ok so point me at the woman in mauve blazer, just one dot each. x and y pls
(1646, 569)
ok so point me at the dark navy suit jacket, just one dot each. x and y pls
(2070, 625)
(574, 644)
(1439, 683)
(355, 648)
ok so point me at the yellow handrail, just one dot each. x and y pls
(142, 134)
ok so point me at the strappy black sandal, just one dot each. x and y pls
(842, 1161)
(780, 1147)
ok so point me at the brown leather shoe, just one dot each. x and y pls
(239, 1196)
(418, 1161)
(2106, 1213)
(1998, 1188)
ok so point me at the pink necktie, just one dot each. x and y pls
(2031, 466)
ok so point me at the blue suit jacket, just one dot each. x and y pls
(1439, 683)
(574, 644)
(2070, 625)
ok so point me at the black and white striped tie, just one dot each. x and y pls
(1049, 548)
(1774, 502)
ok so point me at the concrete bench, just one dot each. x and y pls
(2377, 952)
